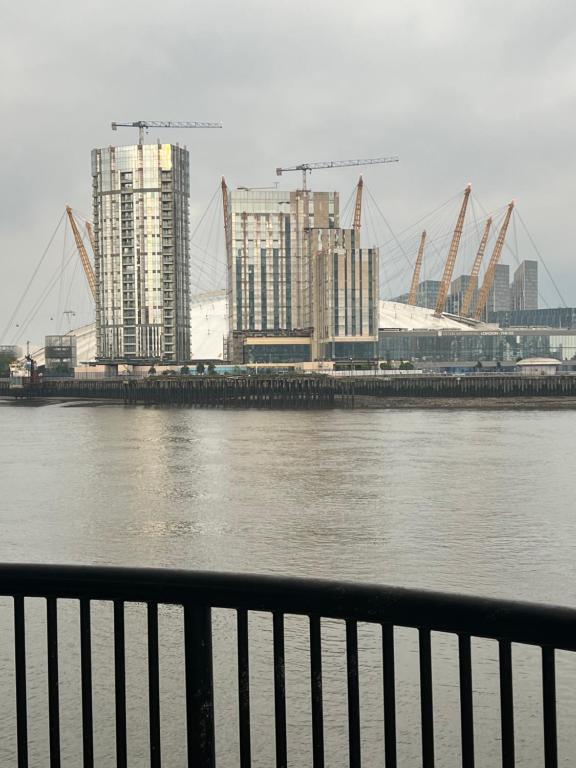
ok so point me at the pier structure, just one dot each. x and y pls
(298, 391)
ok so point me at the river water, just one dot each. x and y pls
(480, 502)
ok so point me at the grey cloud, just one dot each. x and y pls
(479, 91)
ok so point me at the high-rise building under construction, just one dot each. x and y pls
(292, 268)
(141, 222)
(268, 266)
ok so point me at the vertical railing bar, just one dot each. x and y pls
(20, 670)
(549, 707)
(86, 673)
(354, 746)
(199, 686)
(53, 693)
(466, 701)
(389, 685)
(426, 699)
(154, 687)
(506, 703)
(316, 692)
(243, 688)
(120, 684)
(279, 690)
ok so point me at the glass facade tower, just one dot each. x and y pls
(268, 265)
(292, 268)
(141, 222)
(525, 286)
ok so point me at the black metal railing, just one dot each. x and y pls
(198, 593)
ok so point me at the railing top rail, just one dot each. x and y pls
(522, 622)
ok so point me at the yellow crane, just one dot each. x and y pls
(473, 284)
(491, 271)
(417, 267)
(452, 253)
(86, 263)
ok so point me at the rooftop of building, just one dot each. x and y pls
(538, 361)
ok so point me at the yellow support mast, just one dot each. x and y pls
(358, 207)
(86, 263)
(473, 284)
(416, 276)
(491, 271)
(452, 253)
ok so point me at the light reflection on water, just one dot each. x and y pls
(469, 501)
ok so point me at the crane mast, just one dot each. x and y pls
(473, 284)
(86, 263)
(491, 271)
(309, 167)
(452, 253)
(417, 267)
(144, 125)
(358, 206)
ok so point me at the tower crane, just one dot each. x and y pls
(417, 267)
(144, 125)
(309, 167)
(473, 284)
(452, 253)
(491, 271)
(86, 263)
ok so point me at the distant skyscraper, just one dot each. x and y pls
(141, 212)
(426, 295)
(458, 289)
(524, 287)
(499, 296)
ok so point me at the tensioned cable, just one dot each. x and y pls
(198, 225)
(521, 220)
(426, 216)
(204, 214)
(347, 209)
(23, 296)
(385, 220)
(43, 296)
(517, 258)
(61, 286)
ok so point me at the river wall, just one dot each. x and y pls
(301, 391)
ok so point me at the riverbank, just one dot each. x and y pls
(356, 402)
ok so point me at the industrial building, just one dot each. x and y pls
(140, 202)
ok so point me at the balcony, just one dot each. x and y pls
(198, 594)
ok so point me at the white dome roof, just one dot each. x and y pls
(393, 314)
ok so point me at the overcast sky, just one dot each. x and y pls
(463, 91)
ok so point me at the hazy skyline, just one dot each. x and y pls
(462, 91)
